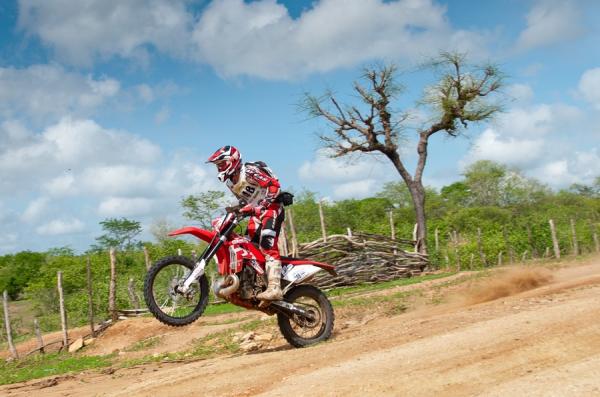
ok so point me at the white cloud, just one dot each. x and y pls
(537, 120)
(61, 227)
(520, 92)
(581, 167)
(62, 185)
(68, 147)
(326, 169)
(589, 86)
(126, 206)
(40, 92)
(349, 177)
(357, 189)
(257, 38)
(552, 142)
(81, 31)
(261, 39)
(35, 209)
(550, 22)
(507, 150)
(76, 171)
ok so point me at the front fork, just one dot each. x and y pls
(205, 258)
(193, 276)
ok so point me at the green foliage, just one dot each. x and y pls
(17, 270)
(119, 234)
(202, 207)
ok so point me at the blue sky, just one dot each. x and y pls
(109, 108)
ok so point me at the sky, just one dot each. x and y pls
(109, 108)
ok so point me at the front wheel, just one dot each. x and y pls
(165, 302)
(301, 331)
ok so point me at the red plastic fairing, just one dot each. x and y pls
(202, 234)
(295, 261)
(207, 235)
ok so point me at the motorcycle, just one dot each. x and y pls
(176, 288)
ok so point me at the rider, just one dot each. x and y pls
(256, 184)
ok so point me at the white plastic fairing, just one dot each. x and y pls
(298, 273)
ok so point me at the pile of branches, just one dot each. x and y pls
(363, 258)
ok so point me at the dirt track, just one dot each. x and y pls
(544, 341)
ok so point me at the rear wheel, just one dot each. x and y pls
(301, 331)
(162, 298)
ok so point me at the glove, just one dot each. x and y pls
(251, 210)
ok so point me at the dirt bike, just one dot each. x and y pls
(176, 288)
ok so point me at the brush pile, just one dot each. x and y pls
(363, 258)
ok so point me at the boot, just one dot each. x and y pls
(273, 291)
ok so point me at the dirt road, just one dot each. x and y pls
(490, 340)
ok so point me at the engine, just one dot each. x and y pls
(251, 283)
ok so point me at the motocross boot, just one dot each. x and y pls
(273, 291)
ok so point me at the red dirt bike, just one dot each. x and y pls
(176, 289)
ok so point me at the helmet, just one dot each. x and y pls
(228, 161)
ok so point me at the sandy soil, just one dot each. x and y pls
(528, 332)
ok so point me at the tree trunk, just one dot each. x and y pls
(418, 194)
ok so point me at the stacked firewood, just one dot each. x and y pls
(363, 258)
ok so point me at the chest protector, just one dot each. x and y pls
(247, 187)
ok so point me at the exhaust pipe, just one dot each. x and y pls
(228, 286)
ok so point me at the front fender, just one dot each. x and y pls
(202, 234)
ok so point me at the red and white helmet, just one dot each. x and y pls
(228, 161)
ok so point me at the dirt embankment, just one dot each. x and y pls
(525, 332)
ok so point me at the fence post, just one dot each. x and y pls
(500, 258)
(112, 288)
(132, 295)
(323, 230)
(63, 313)
(530, 239)
(282, 242)
(480, 247)
(38, 335)
(472, 260)
(455, 238)
(524, 257)
(392, 230)
(293, 230)
(11, 346)
(554, 239)
(349, 232)
(179, 252)
(147, 258)
(595, 237)
(437, 240)
(508, 246)
(90, 297)
(574, 235)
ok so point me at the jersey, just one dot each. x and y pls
(257, 185)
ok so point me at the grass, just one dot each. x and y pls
(144, 344)
(39, 366)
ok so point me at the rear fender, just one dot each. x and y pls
(301, 262)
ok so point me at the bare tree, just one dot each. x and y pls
(460, 96)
